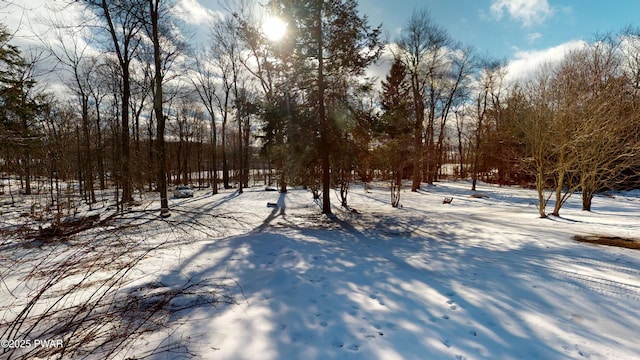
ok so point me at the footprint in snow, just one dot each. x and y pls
(446, 343)
(446, 317)
(376, 297)
(353, 347)
(323, 323)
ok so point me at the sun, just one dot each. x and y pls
(274, 28)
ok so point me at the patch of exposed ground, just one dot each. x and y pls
(609, 241)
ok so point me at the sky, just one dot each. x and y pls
(506, 28)
(524, 32)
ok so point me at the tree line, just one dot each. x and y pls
(142, 108)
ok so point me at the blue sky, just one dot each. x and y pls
(524, 32)
(506, 28)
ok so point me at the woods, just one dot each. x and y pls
(143, 110)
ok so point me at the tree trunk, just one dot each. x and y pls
(79, 158)
(100, 156)
(324, 126)
(214, 154)
(396, 187)
(587, 198)
(417, 134)
(542, 203)
(247, 153)
(559, 187)
(225, 163)
(157, 108)
(240, 150)
(87, 150)
(127, 193)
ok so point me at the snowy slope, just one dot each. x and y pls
(474, 279)
(479, 278)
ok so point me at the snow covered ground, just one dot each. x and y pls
(480, 278)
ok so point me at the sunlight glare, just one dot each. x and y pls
(274, 28)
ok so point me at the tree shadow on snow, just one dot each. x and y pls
(376, 288)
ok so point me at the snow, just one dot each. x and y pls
(480, 278)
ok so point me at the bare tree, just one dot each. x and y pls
(157, 13)
(141, 92)
(123, 27)
(204, 82)
(490, 85)
(453, 93)
(461, 115)
(161, 28)
(184, 127)
(605, 141)
(533, 120)
(423, 45)
(72, 50)
(225, 49)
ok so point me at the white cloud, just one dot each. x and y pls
(529, 12)
(28, 22)
(533, 37)
(528, 62)
(192, 12)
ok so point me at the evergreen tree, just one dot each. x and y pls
(333, 44)
(396, 126)
(20, 105)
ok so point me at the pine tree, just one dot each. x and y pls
(20, 105)
(333, 45)
(395, 126)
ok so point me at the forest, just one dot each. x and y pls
(124, 101)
